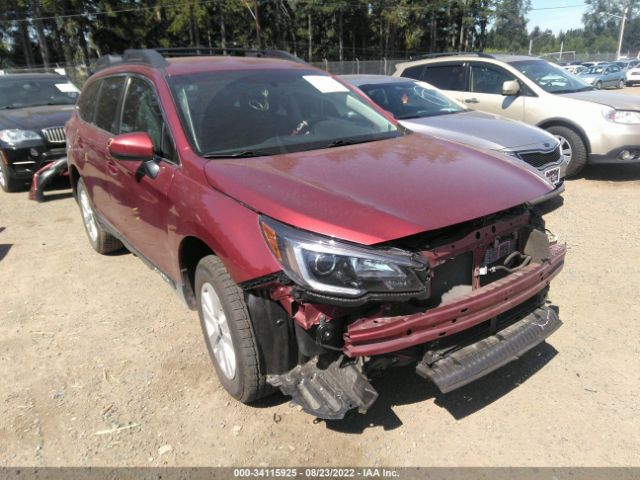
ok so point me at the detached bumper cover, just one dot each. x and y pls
(486, 355)
(379, 335)
(44, 176)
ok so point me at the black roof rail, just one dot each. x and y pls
(450, 54)
(157, 57)
(232, 51)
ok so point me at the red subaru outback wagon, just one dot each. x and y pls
(319, 241)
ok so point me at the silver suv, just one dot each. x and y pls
(593, 126)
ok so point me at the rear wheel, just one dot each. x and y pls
(228, 332)
(573, 148)
(101, 241)
(621, 84)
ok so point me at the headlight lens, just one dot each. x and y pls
(325, 265)
(621, 116)
(14, 136)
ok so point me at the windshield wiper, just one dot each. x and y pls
(242, 154)
(344, 142)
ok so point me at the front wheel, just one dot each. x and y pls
(228, 332)
(599, 85)
(573, 148)
(101, 241)
(621, 84)
(7, 183)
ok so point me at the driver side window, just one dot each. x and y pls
(141, 113)
(488, 79)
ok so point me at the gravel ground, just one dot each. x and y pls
(102, 365)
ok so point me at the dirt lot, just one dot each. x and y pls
(102, 365)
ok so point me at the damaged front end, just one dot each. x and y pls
(458, 303)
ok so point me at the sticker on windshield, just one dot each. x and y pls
(67, 88)
(325, 84)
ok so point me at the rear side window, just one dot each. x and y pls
(488, 79)
(108, 100)
(87, 101)
(141, 113)
(414, 72)
(446, 77)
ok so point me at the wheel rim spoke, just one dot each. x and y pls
(87, 216)
(217, 331)
(565, 146)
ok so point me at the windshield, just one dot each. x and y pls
(411, 99)
(264, 112)
(551, 78)
(593, 70)
(32, 92)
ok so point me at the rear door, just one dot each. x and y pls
(142, 202)
(451, 77)
(94, 141)
(485, 91)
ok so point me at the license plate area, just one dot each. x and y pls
(553, 175)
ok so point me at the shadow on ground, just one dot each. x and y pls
(4, 249)
(613, 173)
(404, 386)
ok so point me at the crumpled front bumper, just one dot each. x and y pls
(379, 335)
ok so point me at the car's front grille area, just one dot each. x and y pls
(540, 159)
(54, 134)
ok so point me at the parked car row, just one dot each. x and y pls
(592, 126)
(326, 229)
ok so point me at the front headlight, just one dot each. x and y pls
(621, 116)
(329, 266)
(14, 136)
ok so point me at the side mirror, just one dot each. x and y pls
(510, 88)
(131, 146)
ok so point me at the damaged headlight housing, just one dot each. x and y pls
(14, 136)
(329, 266)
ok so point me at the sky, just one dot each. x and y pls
(554, 18)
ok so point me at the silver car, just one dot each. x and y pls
(422, 108)
(593, 126)
(603, 76)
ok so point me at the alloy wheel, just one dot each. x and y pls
(87, 216)
(565, 146)
(3, 180)
(217, 329)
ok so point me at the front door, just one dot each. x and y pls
(142, 202)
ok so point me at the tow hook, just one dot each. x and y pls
(327, 393)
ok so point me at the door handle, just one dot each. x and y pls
(471, 100)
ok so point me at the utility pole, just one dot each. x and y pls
(257, 17)
(624, 18)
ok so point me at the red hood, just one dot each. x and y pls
(378, 191)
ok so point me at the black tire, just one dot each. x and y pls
(7, 183)
(578, 148)
(621, 84)
(248, 382)
(599, 85)
(101, 240)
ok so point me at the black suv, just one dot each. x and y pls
(33, 111)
